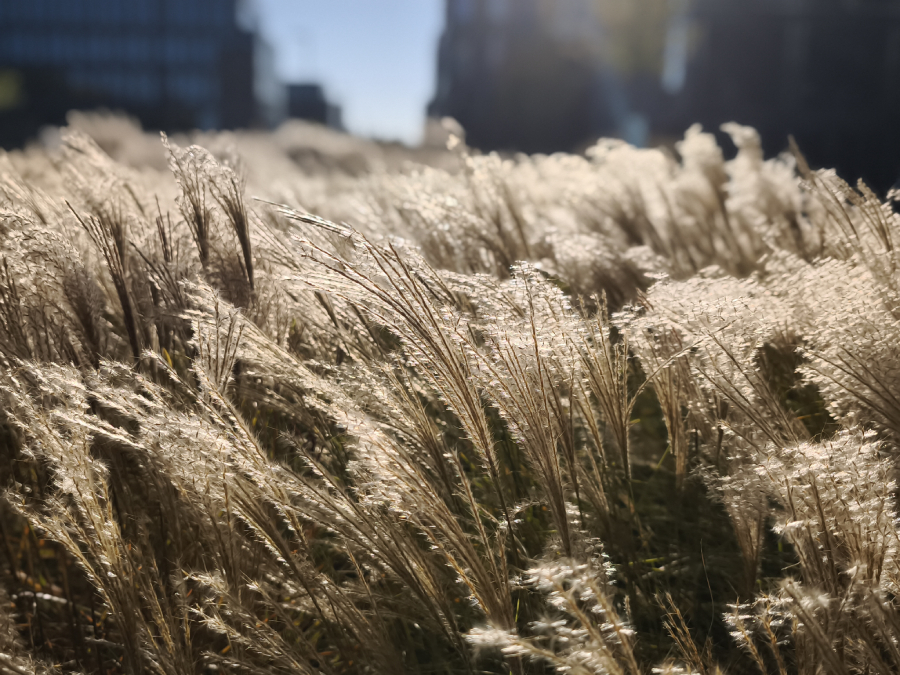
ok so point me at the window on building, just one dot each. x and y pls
(192, 88)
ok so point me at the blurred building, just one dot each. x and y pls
(519, 74)
(547, 75)
(175, 64)
(307, 102)
(825, 71)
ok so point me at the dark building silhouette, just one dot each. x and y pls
(825, 71)
(520, 74)
(547, 75)
(175, 64)
(307, 102)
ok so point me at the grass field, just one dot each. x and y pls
(298, 402)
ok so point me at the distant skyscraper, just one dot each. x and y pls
(825, 71)
(519, 74)
(547, 75)
(172, 63)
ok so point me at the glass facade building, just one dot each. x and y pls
(172, 63)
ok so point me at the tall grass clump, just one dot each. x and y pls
(294, 402)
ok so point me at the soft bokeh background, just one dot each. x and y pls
(517, 75)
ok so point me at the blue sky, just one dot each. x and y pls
(376, 58)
